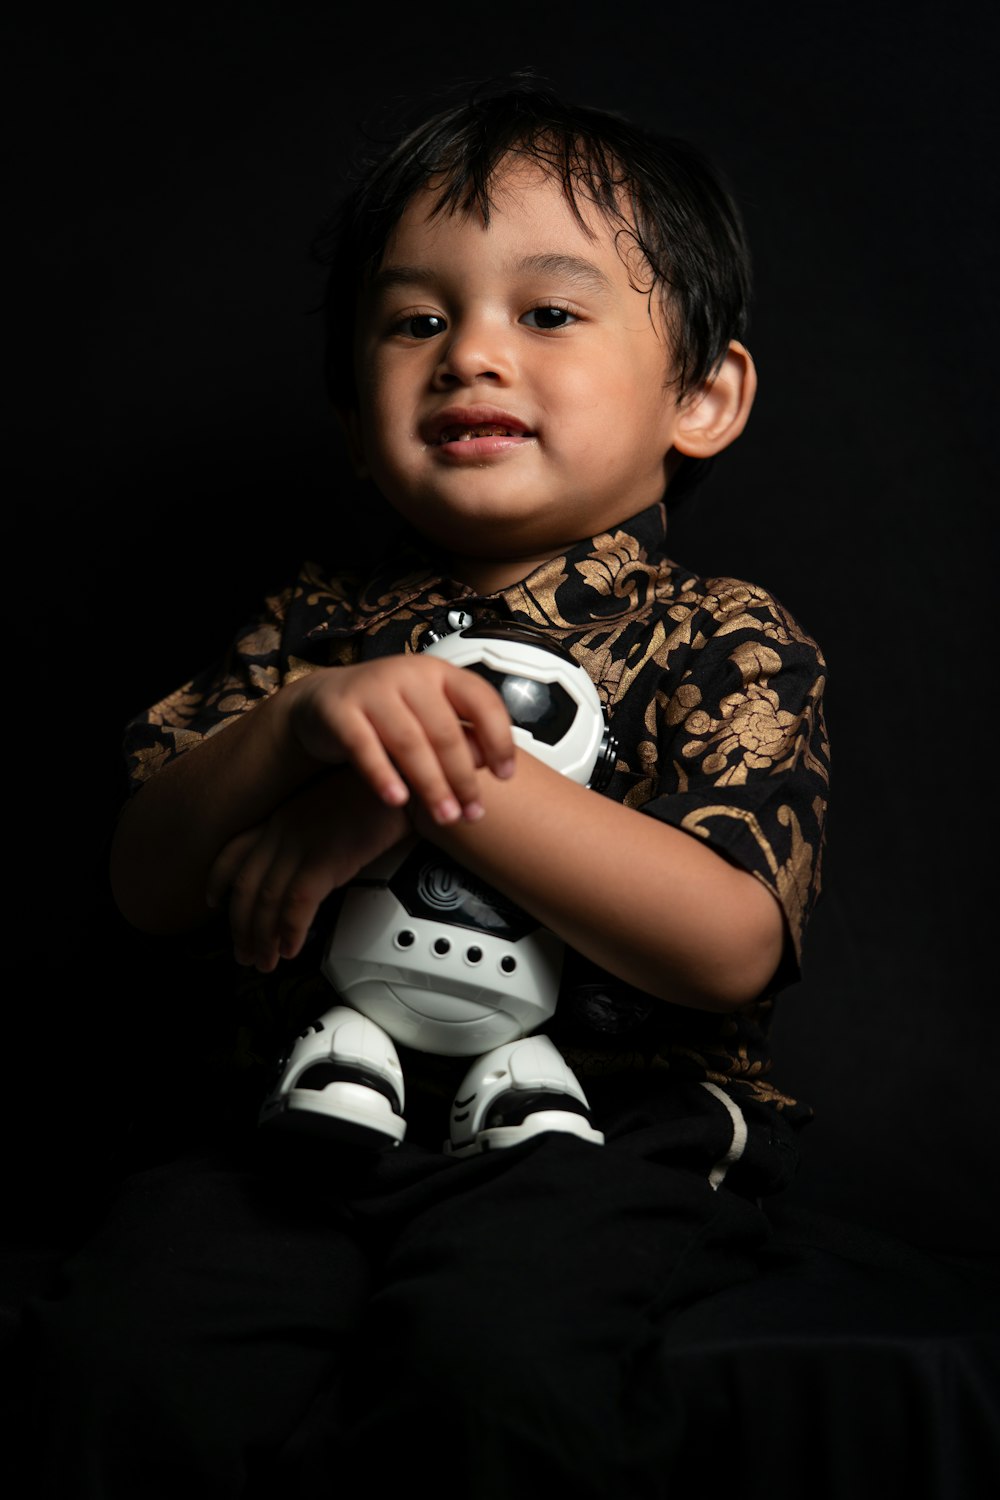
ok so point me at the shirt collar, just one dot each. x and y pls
(600, 578)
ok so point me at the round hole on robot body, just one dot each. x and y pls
(441, 946)
(508, 964)
(405, 938)
(473, 955)
(496, 1075)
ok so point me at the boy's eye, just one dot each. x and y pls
(548, 317)
(421, 325)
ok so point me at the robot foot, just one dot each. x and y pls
(514, 1092)
(342, 1080)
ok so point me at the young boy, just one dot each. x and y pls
(535, 318)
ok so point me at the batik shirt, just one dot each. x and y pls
(714, 695)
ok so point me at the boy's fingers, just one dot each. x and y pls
(306, 889)
(421, 765)
(390, 750)
(478, 758)
(292, 895)
(481, 706)
(412, 735)
(243, 902)
(256, 920)
(428, 744)
(256, 902)
(367, 753)
(228, 863)
(285, 902)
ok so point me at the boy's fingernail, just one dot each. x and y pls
(395, 794)
(447, 811)
(506, 768)
(473, 811)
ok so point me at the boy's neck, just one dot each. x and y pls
(487, 575)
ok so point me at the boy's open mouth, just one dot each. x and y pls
(466, 424)
(465, 434)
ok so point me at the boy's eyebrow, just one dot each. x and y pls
(575, 268)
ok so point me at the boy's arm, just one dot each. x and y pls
(408, 725)
(277, 875)
(173, 828)
(648, 902)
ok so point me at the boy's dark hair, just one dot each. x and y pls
(657, 192)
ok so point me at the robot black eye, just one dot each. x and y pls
(508, 964)
(406, 938)
(544, 709)
(442, 945)
(473, 955)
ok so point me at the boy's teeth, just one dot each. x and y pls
(466, 434)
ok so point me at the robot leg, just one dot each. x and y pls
(518, 1090)
(341, 1079)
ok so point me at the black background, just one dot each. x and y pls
(171, 458)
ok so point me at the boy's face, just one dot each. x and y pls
(512, 384)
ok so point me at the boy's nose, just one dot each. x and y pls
(471, 353)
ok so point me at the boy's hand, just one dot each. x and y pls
(408, 724)
(278, 873)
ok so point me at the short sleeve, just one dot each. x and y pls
(249, 671)
(737, 741)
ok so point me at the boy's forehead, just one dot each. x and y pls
(532, 212)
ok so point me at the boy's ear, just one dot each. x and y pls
(715, 414)
(350, 425)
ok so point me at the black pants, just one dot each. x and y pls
(315, 1323)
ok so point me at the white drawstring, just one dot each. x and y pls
(738, 1143)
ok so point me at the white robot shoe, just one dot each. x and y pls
(343, 1080)
(514, 1092)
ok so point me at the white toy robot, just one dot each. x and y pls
(425, 953)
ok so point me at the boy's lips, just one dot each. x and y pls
(477, 428)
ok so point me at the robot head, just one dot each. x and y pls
(554, 707)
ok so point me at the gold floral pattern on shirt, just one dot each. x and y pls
(755, 732)
(177, 709)
(616, 567)
(791, 879)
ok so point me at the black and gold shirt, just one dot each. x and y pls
(715, 699)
